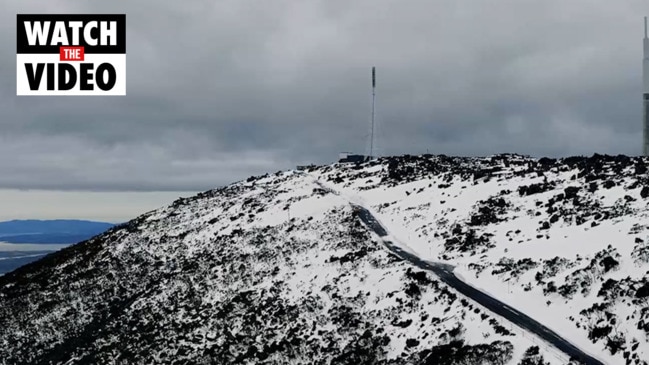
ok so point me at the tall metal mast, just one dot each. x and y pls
(645, 95)
(373, 98)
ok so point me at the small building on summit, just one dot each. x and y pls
(349, 157)
(305, 167)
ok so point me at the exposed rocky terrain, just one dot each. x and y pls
(276, 269)
(565, 241)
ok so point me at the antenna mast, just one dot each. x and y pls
(373, 98)
(645, 92)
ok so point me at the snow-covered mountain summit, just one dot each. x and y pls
(278, 269)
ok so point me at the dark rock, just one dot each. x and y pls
(642, 291)
(571, 192)
(411, 342)
(403, 324)
(609, 263)
(644, 192)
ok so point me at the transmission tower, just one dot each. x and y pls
(373, 100)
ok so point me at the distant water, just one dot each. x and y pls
(8, 247)
(14, 255)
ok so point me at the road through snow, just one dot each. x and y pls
(445, 273)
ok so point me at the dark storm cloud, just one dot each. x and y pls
(217, 91)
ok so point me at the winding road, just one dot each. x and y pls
(445, 273)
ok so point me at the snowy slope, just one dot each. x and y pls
(563, 241)
(277, 269)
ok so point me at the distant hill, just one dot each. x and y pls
(50, 231)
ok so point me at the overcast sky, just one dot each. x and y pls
(220, 90)
(114, 207)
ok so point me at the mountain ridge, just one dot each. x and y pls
(275, 267)
(57, 231)
(32, 226)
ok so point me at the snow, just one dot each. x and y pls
(413, 212)
(284, 252)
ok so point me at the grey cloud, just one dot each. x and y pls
(221, 90)
(68, 163)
